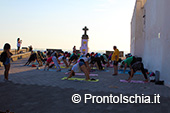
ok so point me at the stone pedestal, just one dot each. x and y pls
(84, 43)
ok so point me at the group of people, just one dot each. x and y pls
(80, 62)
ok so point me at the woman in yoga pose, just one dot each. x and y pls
(50, 59)
(134, 65)
(77, 67)
(61, 57)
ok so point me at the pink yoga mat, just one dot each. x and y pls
(133, 81)
(82, 74)
(111, 66)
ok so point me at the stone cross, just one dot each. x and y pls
(85, 30)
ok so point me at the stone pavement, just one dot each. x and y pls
(35, 91)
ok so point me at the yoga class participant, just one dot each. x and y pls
(79, 66)
(61, 57)
(50, 59)
(134, 65)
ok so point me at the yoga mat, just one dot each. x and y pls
(92, 70)
(126, 72)
(62, 67)
(82, 74)
(79, 79)
(133, 81)
(96, 68)
(53, 70)
(111, 66)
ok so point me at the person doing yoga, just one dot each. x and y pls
(134, 65)
(77, 67)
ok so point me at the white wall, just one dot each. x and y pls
(137, 29)
(152, 40)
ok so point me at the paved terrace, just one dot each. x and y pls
(35, 91)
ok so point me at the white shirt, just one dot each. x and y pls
(76, 68)
(60, 58)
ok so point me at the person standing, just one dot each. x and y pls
(5, 58)
(74, 49)
(115, 59)
(18, 44)
(30, 48)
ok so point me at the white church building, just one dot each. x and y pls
(150, 35)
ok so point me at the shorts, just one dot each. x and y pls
(115, 63)
(18, 48)
(7, 61)
(76, 68)
(137, 66)
(81, 63)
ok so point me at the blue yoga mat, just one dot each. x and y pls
(126, 72)
(53, 70)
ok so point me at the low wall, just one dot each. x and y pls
(14, 51)
(18, 56)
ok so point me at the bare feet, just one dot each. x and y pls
(146, 80)
(87, 79)
(129, 79)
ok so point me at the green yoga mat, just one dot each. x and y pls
(79, 79)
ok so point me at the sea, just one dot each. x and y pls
(70, 50)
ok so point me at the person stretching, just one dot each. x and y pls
(50, 59)
(62, 57)
(134, 66)
(77, 67)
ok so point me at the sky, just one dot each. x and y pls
(58, 24)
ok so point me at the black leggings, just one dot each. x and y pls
(139, 66)
(98, 60)
(143, 71)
